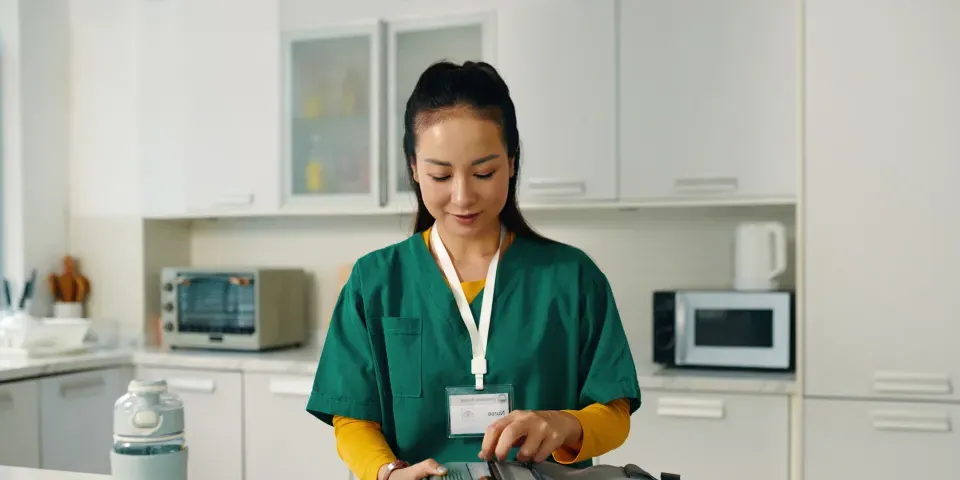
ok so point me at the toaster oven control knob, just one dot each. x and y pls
(168, 326)
(168, 307)
(168, 287)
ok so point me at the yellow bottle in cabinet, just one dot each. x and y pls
(314, 169)
(314, 175)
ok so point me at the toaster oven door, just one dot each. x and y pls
(221, 303)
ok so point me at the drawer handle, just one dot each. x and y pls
(705, 185)
(81, 388)
(690, 408)
(557, 188)
(197, 385)
(901, 421)
(6, 401)
(907, 382)
(234, 200)
(291, 388)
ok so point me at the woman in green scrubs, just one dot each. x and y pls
(475, 337)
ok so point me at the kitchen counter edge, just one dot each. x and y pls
(303, 362)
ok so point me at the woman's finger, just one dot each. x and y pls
(426, 469)
(550, 443)
(531, 445)
(492, 435)
(508, 437)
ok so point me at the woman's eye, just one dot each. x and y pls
(484, 176)
(440, 179)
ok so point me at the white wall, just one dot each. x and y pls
(34, 77)
(105, 232)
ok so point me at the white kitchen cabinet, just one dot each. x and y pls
(345, 92)
(881, 229)
(210, 106)
(708, 436)
(708, 106)
(76, 419)
(846, 439)
(559, 61)
(413, 44)
(213, 419)
(20, 424)
(333, 128)
(283, 440)
(162, 102)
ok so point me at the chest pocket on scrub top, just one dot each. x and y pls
(402, 353)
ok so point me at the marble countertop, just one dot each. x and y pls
(16, 473)
(303, 361)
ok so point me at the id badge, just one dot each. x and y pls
(471, 411)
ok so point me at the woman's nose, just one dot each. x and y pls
(463, 192)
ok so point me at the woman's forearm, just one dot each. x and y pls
(362, 446)
(604, 427)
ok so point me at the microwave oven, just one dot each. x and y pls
(741, 330)
(245, 308)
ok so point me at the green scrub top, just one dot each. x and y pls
(396, 341)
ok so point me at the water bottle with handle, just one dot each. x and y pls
(148, 434)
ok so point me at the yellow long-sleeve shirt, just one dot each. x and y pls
(362, 446)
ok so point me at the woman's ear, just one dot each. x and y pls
(513, 166)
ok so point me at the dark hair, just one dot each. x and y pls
(476, 85)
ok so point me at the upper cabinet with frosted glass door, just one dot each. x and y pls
(413, 44)
(332, 122)
(346, 89)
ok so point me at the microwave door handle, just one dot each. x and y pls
(680, 331)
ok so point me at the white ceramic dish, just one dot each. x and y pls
(49, 336)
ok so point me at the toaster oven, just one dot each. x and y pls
(245, 308)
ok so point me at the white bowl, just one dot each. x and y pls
(48, 334)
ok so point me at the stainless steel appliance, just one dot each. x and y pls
(245, 308)
(725, 329)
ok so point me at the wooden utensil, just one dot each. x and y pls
(70, 286)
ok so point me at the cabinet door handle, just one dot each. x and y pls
(690, 408)
(557, 188)
(904, 421)
(294, 388)
(82, 388)
(234, 200)
(6, 401)
(196, 385)
(706, 185)
(911, 382)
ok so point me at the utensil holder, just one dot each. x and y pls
(68, 310)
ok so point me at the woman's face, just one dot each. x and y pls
(463, 172)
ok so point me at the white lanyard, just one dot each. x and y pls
(478, 338)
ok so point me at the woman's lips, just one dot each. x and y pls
(466, 219)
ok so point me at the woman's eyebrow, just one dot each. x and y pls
(475, 162)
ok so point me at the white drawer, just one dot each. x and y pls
(213, 417)
(283, 440)
(846, 439)
(20, 413)
(703, 436)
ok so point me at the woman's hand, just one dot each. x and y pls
(416, 471)
(537, 433)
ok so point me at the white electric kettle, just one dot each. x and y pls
(760, 256)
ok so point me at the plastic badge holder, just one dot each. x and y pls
(545, 471)
(468, 393)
